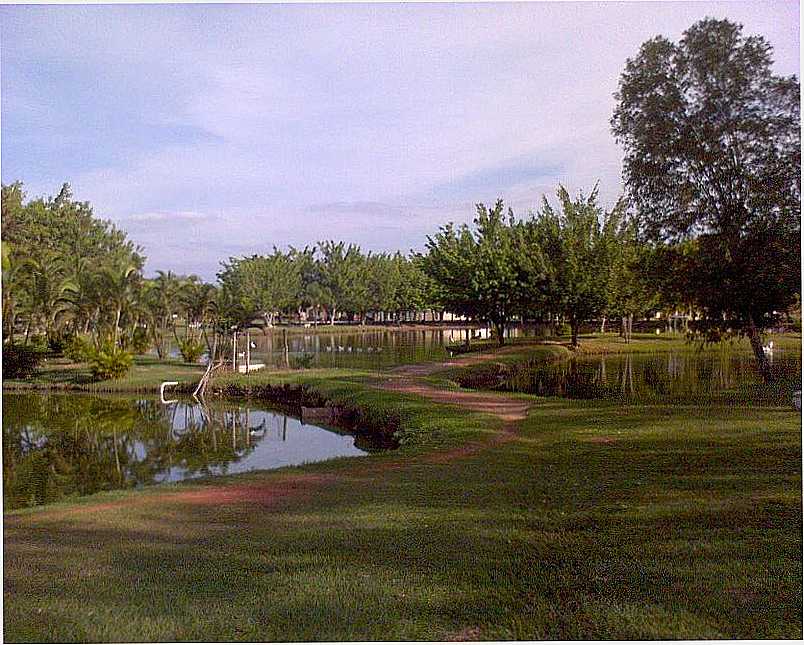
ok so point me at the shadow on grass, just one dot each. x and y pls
(597, 523)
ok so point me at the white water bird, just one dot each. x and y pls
(768, 349)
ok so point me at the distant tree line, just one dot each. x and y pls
(710, 224)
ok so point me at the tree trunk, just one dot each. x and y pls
(630, 326)
(116, 325)
(500, 327)
(574, 328)
(332, 316)
(756, 344)
(157, 341)
(603, 326)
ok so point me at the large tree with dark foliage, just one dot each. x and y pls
(712, 158)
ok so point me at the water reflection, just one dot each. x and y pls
(372, 348)
(58, 445)
(680, 376)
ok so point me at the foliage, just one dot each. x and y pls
(712, 143)
(576, 242)
(138, 342)
(191, 350)
(303, 362)
(483, 273)
(78, 349)
(57, 261)
(109, 361)
(20, 361)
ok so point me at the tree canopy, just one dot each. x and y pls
(713, 155)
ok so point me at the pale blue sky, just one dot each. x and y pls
(214, 130)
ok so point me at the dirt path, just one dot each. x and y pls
(406, 379)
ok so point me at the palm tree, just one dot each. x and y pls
(50, 292)
(120, 281)
(15, 289)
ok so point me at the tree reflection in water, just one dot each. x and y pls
(59, 445)
(676, 376)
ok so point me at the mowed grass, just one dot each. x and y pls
(594, 522)
(146, 374)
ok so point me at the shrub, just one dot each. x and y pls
(191, 350)
(78, 349)
(38, 342)
(109, 361)
(139, 342)
(20, 361)
(563, 330)
(57, 343)
(303, 362)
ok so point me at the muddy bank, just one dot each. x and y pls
(295, 399)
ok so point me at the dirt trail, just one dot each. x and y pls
(406, 379)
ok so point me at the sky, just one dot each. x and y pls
(216, 131)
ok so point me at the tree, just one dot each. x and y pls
(482, 273)
(712, 154)
(260, 286)
(575, 243)
(121, 279)
(342, 276)
(630, 291)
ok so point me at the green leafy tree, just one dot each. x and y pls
(713, 154)
(631, 289)
(342, 274)
(575, 243)
(484, 272)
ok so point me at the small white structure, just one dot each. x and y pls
(162, 392)
(252, 367)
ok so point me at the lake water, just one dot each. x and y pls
(373, 348)
(59, 445)
(682, 376)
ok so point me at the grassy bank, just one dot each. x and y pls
(594, 521)
(146, 375)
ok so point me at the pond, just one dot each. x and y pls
(61, 445)
(678, 376)
(373, 348)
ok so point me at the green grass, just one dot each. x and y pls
(146, 374)
(597, 522)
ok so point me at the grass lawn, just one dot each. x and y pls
(591, 521)
(146, 374)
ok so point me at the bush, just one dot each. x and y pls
(303, 362)
(139, 342)
(563, 330)
(20, 361)
(191, 350)
(78, 349)
(109, 362)
(38, 342)
(57, 343)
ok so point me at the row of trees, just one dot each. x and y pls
(67, 273)
(574, 262)
(710, 222)
(322, 281)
